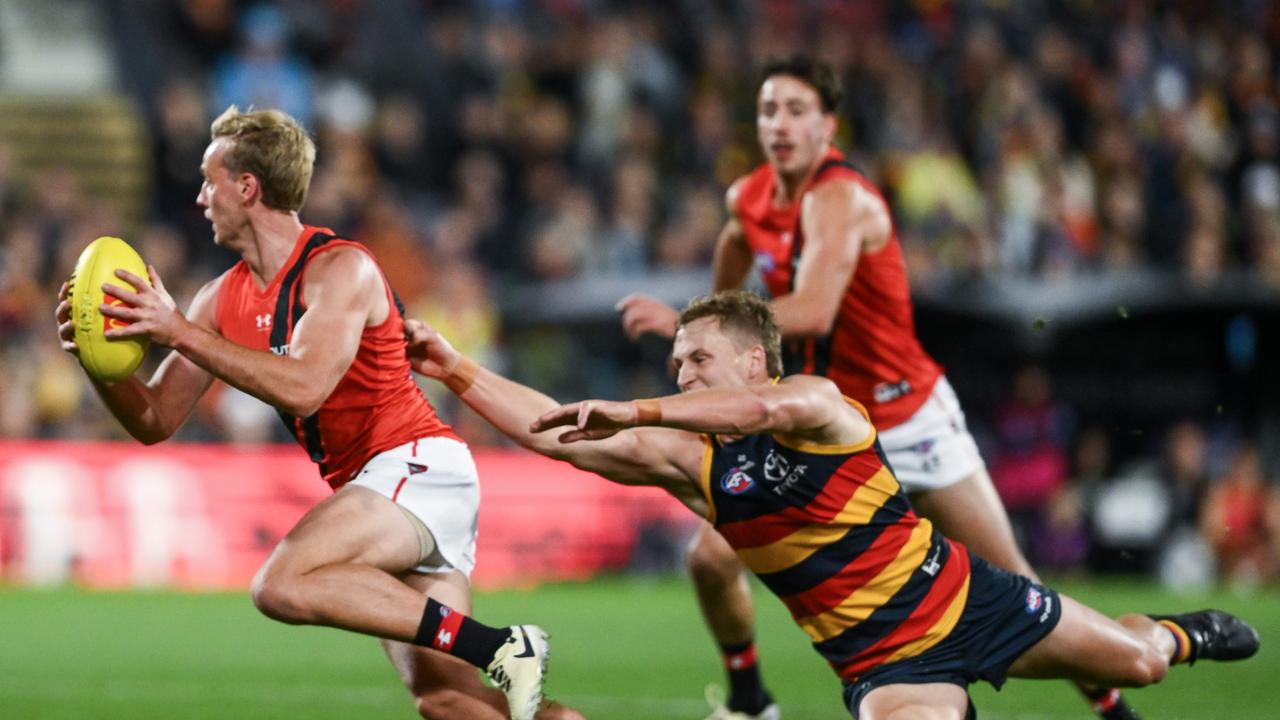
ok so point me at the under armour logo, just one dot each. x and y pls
(264, 322)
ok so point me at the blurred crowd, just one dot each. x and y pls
(544, 140)
(476, 144)
(1192, 505)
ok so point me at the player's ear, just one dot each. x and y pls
(831, 124)
(758, 361)
(248, 186)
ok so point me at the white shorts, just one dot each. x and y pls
(933, 448)
(435, 479)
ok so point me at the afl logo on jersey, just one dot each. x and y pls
(736, 481)
(1034, 600)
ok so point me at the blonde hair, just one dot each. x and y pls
(271, 146)
(744, 316)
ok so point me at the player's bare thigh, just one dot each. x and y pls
(354, 525)
(925, 701)
(1090, 647)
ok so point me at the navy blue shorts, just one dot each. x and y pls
(1004, 616)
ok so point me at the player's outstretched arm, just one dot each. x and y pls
(650, 456)
(153, 410)
(839, 219)
(804, 407)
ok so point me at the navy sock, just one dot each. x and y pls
(746, 689)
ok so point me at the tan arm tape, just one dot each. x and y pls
(463, 375)
(648, 412)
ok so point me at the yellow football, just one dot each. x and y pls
(103, 359)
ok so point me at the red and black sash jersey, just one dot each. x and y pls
(376, 405)
(872, 353)
(830, 532)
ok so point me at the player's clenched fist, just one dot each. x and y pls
(645, 314)
(429, 353)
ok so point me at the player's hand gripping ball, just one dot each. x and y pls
(103, 359)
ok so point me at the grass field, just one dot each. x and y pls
(623, 649)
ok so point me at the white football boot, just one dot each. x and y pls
(518, 669)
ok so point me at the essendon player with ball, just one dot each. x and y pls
(307, 323)
(830, 258)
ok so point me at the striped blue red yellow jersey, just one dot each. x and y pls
(829, 531)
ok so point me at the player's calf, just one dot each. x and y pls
(443, 703)
(724, 596)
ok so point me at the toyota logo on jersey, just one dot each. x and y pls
(736, 482)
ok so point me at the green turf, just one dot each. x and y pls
(623, 649)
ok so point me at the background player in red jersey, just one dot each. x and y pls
(824, 240)
(790, 470)
(307, 323)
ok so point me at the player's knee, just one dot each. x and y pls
(442, 704)
(277, 598)
(1143, 667)
(708, 565)
(1148, 667)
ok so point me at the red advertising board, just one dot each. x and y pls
(205, 516)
